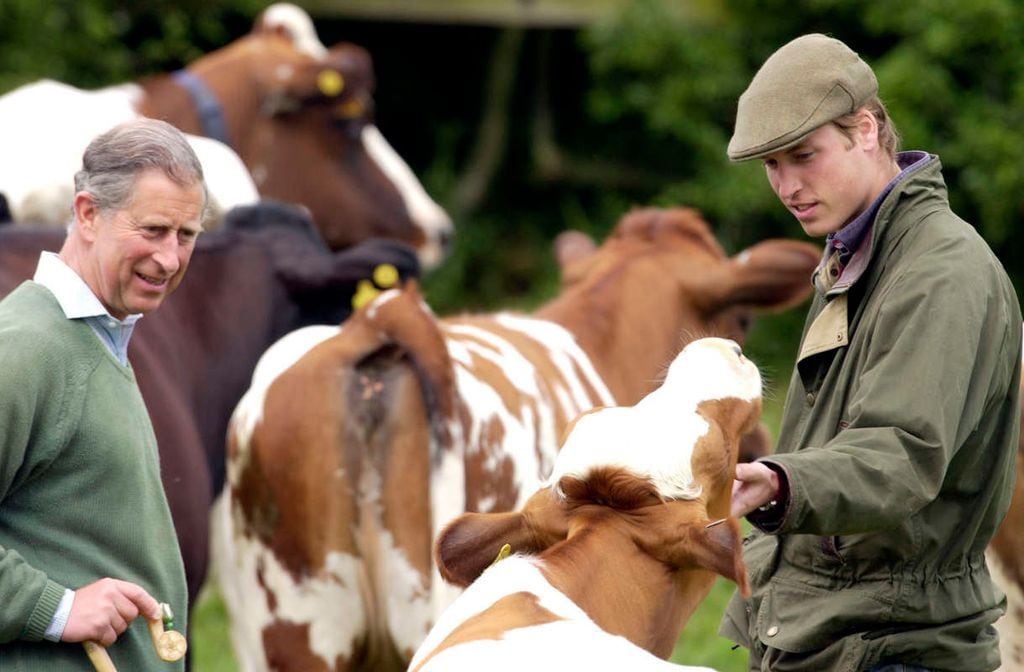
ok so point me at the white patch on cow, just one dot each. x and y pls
(228, 181)
(566, 355)
(663, 428)
(513, 574)
(423, 210)
(573, 643)
(408, 612)
(1011, 626)
(743, 257)
(446, 503)
(328, 602)
(532, 425)
(45, 127)
(382, 298)
(520, 425)
(297, 25)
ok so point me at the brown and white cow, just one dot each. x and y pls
(1006, 560)
(354, 446)
(298, 116)
(622, 544)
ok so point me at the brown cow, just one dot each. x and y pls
(345, 461)
(300, 122)
(1006, 560)
(628, 536)
(263, 274)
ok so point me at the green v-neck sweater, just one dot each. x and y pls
(80, 491)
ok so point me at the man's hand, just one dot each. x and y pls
(754, 486)
(103, 610)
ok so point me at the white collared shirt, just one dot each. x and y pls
(79, 303)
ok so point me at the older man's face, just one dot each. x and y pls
(140, 252)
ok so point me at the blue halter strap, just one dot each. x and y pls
(207, 106)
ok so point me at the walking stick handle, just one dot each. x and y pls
(170, 645)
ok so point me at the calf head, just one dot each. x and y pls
(659, 472)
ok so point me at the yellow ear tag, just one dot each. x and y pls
(505, 551)
(330, 82)
(365, 292)
(385, 275)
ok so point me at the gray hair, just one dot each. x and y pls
(113, 160)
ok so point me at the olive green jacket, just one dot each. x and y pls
(898, 440)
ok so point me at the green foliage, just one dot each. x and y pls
(949, 72)
(92, 43)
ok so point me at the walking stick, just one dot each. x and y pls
(170, 645)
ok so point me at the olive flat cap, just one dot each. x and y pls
(801, 87)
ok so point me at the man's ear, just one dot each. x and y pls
(86, 212)
(867, 130)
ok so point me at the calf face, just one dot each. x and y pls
(624, 543)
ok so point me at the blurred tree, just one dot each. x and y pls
(572, 127)
(950, 73)
(92, 43)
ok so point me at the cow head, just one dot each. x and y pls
(663, 468)
(301, 119)
(662, 271)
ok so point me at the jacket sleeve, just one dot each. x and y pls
(938, 356)
(28, 597)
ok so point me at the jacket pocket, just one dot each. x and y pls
(798, 618)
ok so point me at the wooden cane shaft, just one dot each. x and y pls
(100, 658)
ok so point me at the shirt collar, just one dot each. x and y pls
(74, 296)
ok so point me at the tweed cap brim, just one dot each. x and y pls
(804, 85)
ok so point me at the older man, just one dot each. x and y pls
(86, 538)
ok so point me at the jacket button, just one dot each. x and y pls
(810, 399)
(772, 631)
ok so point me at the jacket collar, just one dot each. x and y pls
(918, 184)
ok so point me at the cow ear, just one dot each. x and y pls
(471, 542)
(570, 248)
(474, 541)
(771, 275)
(715, 546)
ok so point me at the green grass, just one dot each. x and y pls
(698, 645)
(210, 634)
